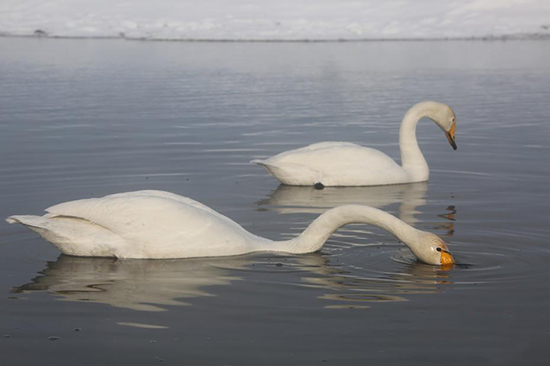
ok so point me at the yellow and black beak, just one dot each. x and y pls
(446, 258)
(451, 136)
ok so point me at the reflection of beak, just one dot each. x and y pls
(451, 136)
(446, 258)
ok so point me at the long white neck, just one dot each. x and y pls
(316, 234)
(412, 159)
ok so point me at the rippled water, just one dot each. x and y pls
(85, 118)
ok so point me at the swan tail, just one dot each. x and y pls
(72, 236)
(291, 174)
(13, 220)
(272, 169)
(27, 220)
(260, 162)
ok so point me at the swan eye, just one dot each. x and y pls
(438, 249)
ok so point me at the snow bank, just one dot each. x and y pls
(274, 19)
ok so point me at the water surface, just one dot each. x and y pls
(86, 118)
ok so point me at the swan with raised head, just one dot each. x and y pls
(348, 164)
(157, 225)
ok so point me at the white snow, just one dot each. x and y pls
(274, 19)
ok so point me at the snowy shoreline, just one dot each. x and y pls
(500, 38)
(283, 20)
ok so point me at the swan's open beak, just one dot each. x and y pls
(451, 136)
(446, 258)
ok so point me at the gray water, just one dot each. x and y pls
(86, 118)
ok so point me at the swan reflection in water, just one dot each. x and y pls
(152, 285)
(355, 292)
(291, 199)
(144, 285)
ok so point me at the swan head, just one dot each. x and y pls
(445, 118)
(431, 249)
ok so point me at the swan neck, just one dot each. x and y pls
(412, 159)
(318, 232)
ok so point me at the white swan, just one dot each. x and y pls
(156, 224)
(347, 164)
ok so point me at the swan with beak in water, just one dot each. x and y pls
(348, 164)
(162, 225)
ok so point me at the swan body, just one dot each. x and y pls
(156, 225)
(348, 164)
